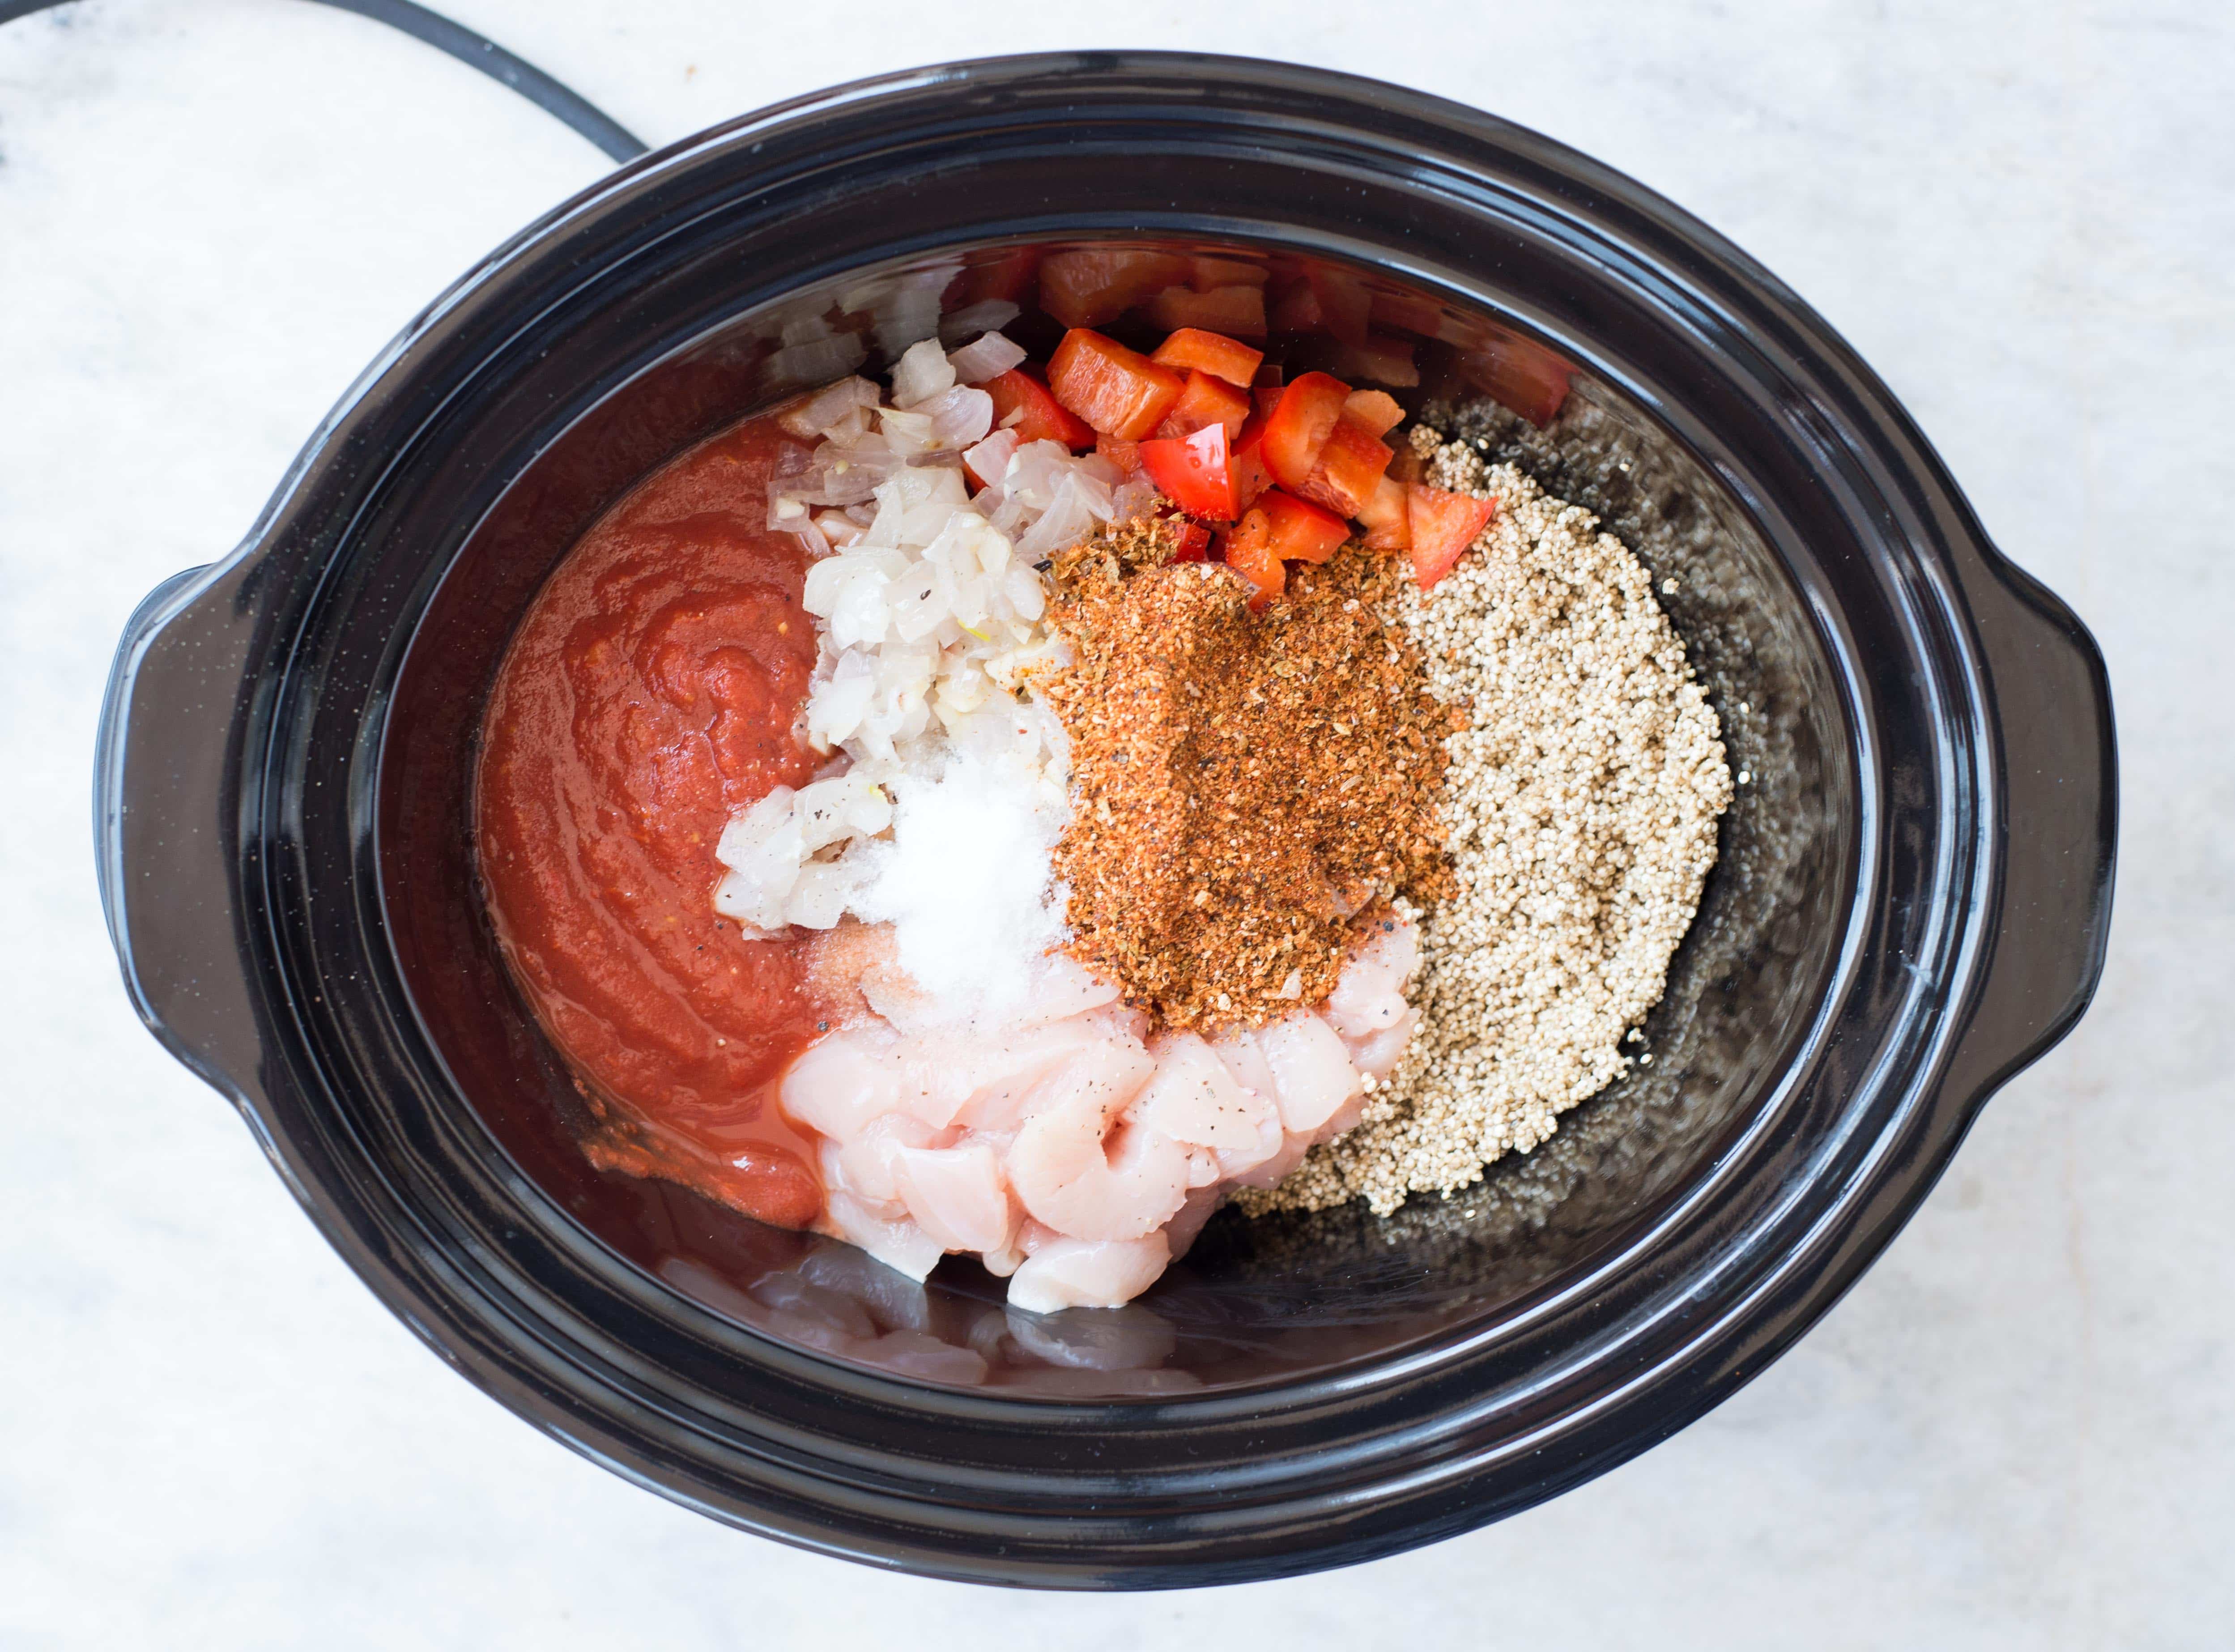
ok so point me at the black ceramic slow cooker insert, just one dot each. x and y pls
(1910, 903)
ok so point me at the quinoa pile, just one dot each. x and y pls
(1580, 811)
(1242, 784)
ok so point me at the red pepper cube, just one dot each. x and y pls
(1386, 517)
(1193, 349)
(1351, 460)
(1126, 455)
(1299, 425)
(1195, 544)
(1207, 401)
(1376, 410)
(1119, 391)
(1301, 532)
(1042, 418)
(1442, 525)
(1251, 477)
(1195, 473)
(1248, 547)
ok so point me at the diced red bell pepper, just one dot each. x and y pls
(1194, 472)
(1221, 310)
(1084, 289)
(1248, 547)
(1251, 477)
(1301, 532)
(1265, 398)
(1386, 517)
(1209, 273)
(1299, 425)
(1126, 455)
(1351, 462)
(1194, 543)
(1376, 410)
(1522, 374)
(1207, 401)
(1042, 419)
(1442, 525)
(1119, 391)
(1194, 350)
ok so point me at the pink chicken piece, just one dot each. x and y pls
(1088, 1272)
(1367, 1008)
(1065, 1152)
(957, 1195)
(1072, 1172)
(1312, 1079)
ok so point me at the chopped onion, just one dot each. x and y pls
(960, 416)
(991, 356)
(990, 458)
(821, 412)
(921, 373)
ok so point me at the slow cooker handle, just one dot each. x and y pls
(166, 817)
(2060, 811)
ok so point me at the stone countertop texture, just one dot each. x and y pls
(2017, 1431)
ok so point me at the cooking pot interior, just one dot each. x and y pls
(1255, 1300)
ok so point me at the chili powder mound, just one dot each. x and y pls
(1244, 784)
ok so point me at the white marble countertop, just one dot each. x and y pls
(2018, 1431)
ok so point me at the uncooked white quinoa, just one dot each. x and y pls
(1581, 808)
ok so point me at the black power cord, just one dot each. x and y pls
(468, 48)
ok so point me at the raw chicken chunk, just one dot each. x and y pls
(1070, 1155)
(1087, 1273)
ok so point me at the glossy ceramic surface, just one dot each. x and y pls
(1912, 901)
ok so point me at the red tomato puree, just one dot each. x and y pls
(653, 688)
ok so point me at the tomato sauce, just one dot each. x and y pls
(653, 688)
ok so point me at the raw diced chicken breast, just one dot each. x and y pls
(1240, 1055)
(1193, 1098)
(1083, 1273)
(957, 1195)
(1073, 1173)
(1270, 1174)
(1013, 1085)
(840, 1084)
(894, 1241)
(1366, 1001)
(865, 1159)
(1244, 1127)
(1311, 1074)
(1378, 1054)
(1070, 1155)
